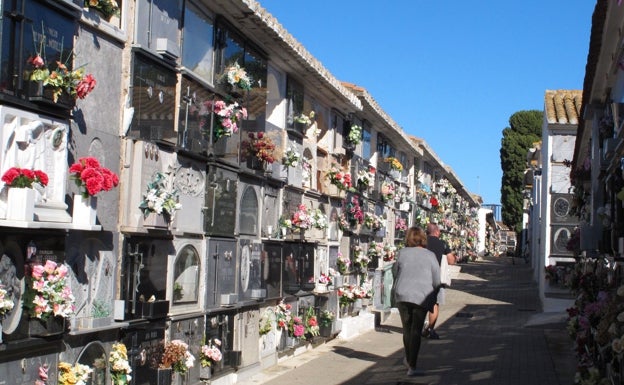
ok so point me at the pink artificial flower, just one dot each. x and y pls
(49, 267)
(37, 272)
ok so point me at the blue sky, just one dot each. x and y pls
(449, 72)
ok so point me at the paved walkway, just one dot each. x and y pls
(492, 333)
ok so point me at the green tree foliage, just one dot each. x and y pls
(525, 130)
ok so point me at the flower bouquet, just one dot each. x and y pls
(48, 293)
(366, 178)
(177, 356)
(285, 224)
(324, 279)
(337, 177)
(159, 198)
(24, 178)
(319, 220)
(301, 220)
(291, 158)
(209, 353)
(343, 263)
(389, 253)
(108, 8)
(236, 76)
(387, 191)
(265, 324)
(353, 211)
(6, 303)
(311, 323)
(400, 225)
(57, 76)
(296, 327)
(346, 296)
(372, 221)
(355, 134)
(227, 117)
(304, 119)
(375, 250)
(91, 178)
(326, 318)
(282, 314)
(119, 366)
(259, 146)
(73, 375)
(360, 258)
(394, 163)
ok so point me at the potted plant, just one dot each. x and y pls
(21, 195)
(91, 179)
(119, 366)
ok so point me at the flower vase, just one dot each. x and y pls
(321, 288)
(395, 174)
(45, 328)
(41, 94)
(155, 221)
(164, 376)
(205, 372)
(325, 330)
(20, 204)
(256, 164)
(85, 210)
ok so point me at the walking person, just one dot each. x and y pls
(417, 279)
(441, 250)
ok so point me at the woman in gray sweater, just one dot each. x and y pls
(416, 284)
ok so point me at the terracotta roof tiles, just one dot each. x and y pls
(563, 106)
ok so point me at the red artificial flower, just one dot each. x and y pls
(91, 177)
(24, 178)
(433, 201)
(86, 85)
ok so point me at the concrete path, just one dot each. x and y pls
(492, 332)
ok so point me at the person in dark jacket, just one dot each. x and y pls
(441, 250)
(417, 279)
